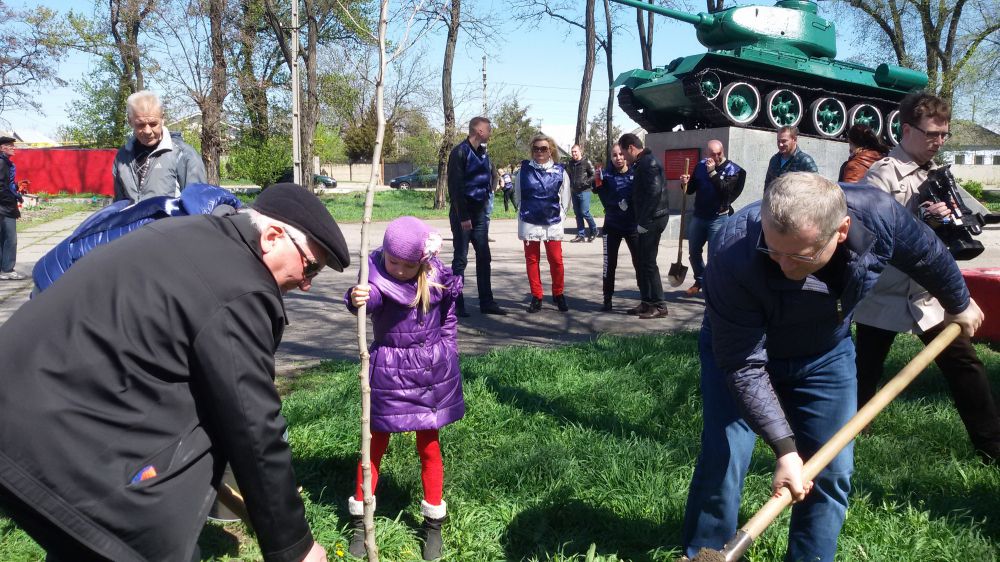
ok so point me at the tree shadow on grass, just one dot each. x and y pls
(570, 526)
(330, 481)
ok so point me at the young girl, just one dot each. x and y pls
(415, 382)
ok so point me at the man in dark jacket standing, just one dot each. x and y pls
(133, 379)
(776, 352)
(581, 181)
(9, 212)
(470, 183)
(789, 158)
(649, 204)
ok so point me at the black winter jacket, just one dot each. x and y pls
(649, 194)
(581, 175)
(8, 197)
(154, 350)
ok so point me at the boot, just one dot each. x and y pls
(357, 511)
(460, 307)
(607, 305)
(535, 305)
(434, 517)
(560, 302)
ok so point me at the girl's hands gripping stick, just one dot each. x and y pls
(359, 295)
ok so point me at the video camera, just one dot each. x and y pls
(957, 230)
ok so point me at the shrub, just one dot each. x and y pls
(974, 188)
(260, 162)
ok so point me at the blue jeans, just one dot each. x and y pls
(699, 232)
(581, 208)
(479, 237)
(8, 244)
(818, 395)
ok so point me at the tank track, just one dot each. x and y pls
(626, 101)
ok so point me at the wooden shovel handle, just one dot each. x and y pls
(684, 196)
(756, 525)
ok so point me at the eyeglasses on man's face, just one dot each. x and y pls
(540, 148)
(312, 267)
(797, 257)
(943, 136)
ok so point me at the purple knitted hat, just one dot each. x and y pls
(411, 239)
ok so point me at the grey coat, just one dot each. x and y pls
(173, 165)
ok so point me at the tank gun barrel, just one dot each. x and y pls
(701, 20)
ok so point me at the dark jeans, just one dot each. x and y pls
(612, 242)
(8, 244)
(479, 237)
(699, 232)
(581, 208)
(817, 394)
(647, 272)
(961, 367)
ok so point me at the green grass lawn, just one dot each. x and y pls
(51, 210)
(591, 447)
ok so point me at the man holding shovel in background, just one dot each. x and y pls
(776, 353)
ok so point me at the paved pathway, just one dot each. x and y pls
(321, 328)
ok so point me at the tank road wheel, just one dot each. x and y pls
(710, 85)
(740, 102)
(829, 117)
(866, 114)
(783, 108)
(894, 130)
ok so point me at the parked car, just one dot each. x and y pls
(318, 179)
(422, 177)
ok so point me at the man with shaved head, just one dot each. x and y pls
(717, 183)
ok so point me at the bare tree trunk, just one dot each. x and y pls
(253, 93)
(714, 5)
(448, 104)
(609, 108)
(310, 105)
(211, 109)
(646, 36)
(365, 373)
(588, 76)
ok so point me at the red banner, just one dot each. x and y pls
(72, 170)
(673, 161)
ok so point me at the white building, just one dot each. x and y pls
(974, 153)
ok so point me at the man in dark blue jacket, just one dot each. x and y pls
(9, 212)
(777, 358)
(470, 183)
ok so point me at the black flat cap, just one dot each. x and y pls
(7, 140)
(295, 205)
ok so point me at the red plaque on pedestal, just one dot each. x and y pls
(673, 161)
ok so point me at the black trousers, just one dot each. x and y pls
(647, 272)
(612, 243)
(965, 373)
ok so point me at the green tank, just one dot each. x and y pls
(766, 67)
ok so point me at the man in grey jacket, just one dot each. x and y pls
(152, 162)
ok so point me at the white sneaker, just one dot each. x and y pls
(11, 276)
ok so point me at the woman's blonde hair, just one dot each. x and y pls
(424, 284)
(553, 149)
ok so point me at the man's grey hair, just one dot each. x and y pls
(799, 200)
(260, 222)
(142, 101)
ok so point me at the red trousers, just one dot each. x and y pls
(431, 467)
(532, 257)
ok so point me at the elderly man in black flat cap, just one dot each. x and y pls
(132, 380)
(9, 212)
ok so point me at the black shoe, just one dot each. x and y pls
(560, 301)
(577, 240)
(433, 543)
(607, 306)
(461, 312)
(357, 546)
(659, 311)
(535, 305)
(493, 308)
(590, 237)
(642, 308)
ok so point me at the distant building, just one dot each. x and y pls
(28, 138)
(974, 153)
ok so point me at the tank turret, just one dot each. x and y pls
(766, 67)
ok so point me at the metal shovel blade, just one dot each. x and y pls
(677, 273)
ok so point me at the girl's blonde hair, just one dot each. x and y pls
(424, 284)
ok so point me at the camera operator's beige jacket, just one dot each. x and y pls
(897, 302)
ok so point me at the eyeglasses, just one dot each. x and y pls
(942, 135)
(312, 267)
(796, 257)
(540, 148)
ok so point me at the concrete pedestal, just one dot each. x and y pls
(751, 149)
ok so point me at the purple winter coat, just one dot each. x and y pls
(415, 379)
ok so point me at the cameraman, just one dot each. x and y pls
(899, 304)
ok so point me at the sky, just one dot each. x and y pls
(541, 62)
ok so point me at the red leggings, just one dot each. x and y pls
(431, 467)
(532, 257)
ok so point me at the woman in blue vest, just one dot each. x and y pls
(615, 192)
(542, 195)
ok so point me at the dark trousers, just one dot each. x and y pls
(479, 237)
(612, 242)
(961, 367)
(647, 272)
(8, 243)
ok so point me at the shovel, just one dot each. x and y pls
(737, 545)
(679, 271)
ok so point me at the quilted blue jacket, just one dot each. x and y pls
(123, 217)
(754, 312)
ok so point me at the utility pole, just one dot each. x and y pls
(296, 103)
(484, 85)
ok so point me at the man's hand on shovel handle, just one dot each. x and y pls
(969, 319)
(788, 474)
